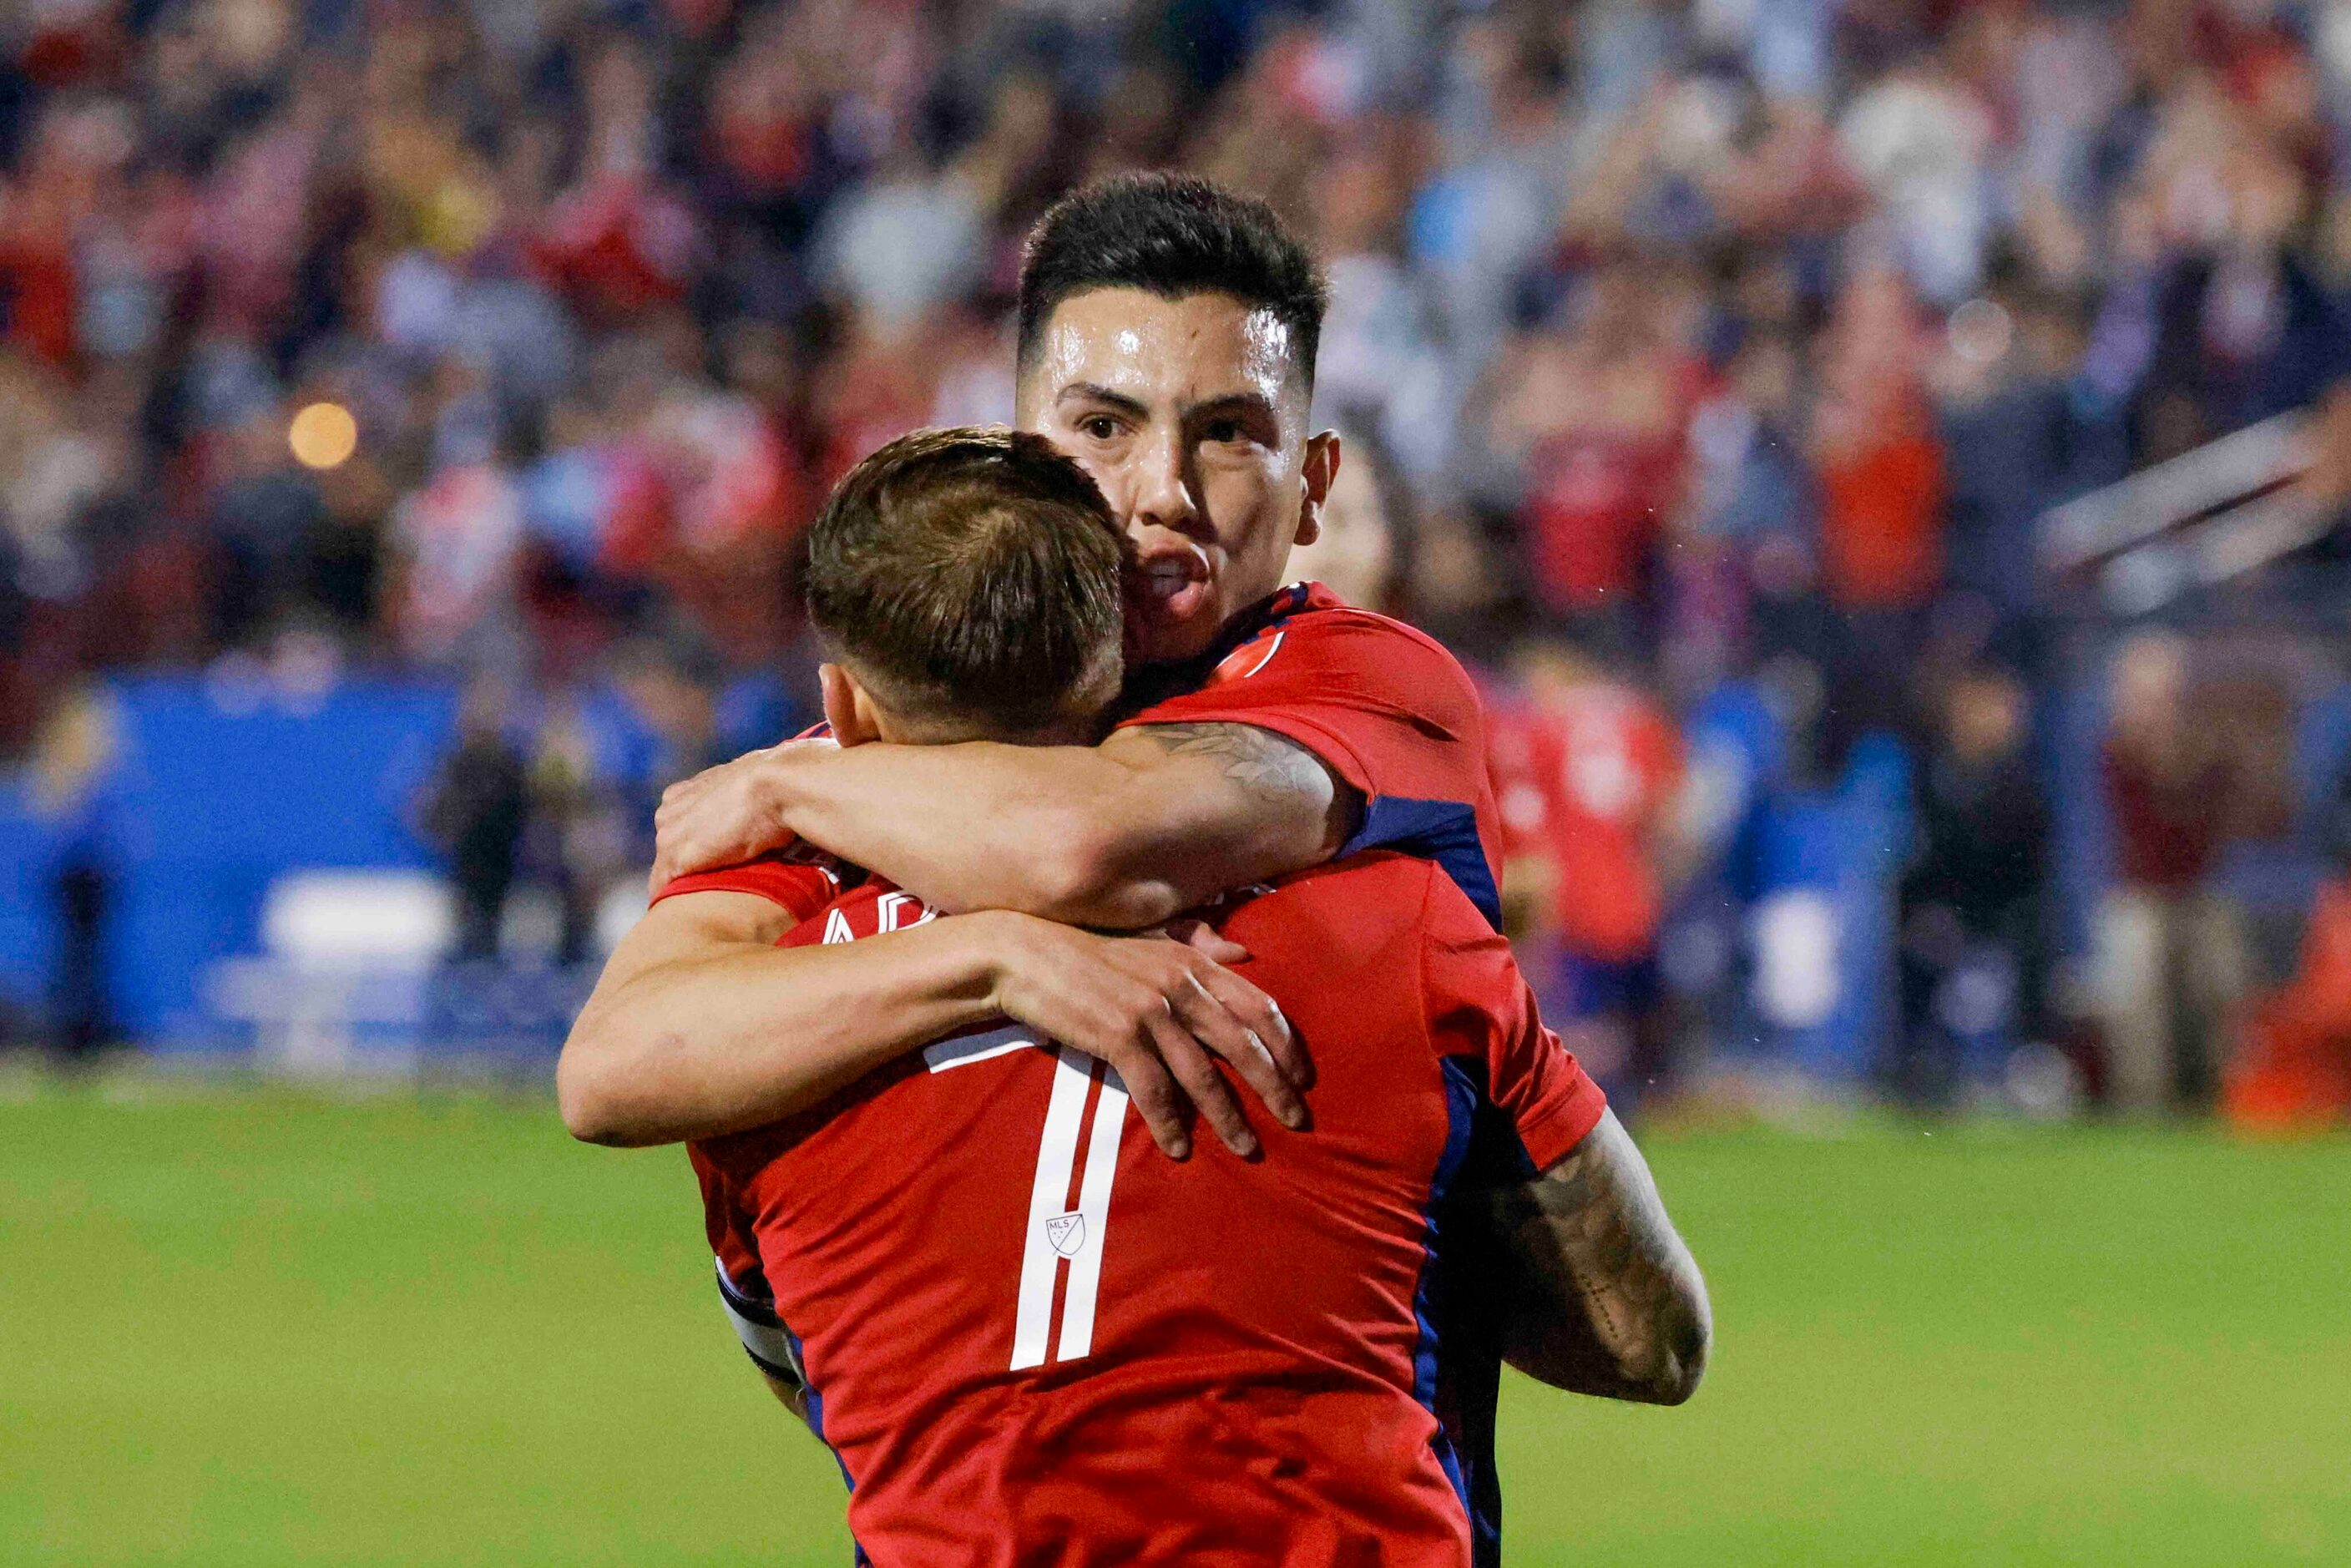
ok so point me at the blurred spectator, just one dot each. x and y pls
(2171, 944)
(2292, 1067)
(475, 813)
(1588, 773)
(1973, 947)
(69, 766)
(1879, 464)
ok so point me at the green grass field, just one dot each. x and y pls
(254, 1328)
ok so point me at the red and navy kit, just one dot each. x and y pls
(1381, 703)
(1028, 1336)
(1397, 716)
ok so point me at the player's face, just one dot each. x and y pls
(1191, 416)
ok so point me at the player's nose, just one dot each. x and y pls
(1159, 488)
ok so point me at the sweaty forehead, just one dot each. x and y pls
(1159, 350)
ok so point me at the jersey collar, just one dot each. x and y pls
(1159, 683)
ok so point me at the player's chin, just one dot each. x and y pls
(1167, 628)
(1156, 637)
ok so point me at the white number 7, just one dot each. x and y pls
(1059, 1234)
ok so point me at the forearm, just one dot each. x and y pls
(1120, 836)
(972, 826)
(1607, 1300)
(703, 1046)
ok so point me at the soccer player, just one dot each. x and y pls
(1167, 333)
(1078, 1348)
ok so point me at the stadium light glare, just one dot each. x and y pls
(323, 436)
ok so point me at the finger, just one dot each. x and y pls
(1264, 1015)
(1200, 1009)
(1191, 1069)
(1208, 941)
(1162, 1105)
(1261, 1015)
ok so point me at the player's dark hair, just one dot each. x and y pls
(1173, 235)
(970, 580)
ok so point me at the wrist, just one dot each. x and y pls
(998, 952)
(781, 787)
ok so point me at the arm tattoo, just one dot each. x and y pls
(1268, 765)
(1608, 1300)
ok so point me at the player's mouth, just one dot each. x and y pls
(1172, 585)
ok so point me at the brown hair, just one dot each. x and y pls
(970, 580)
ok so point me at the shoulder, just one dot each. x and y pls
(1313, 642)
(1323, 622)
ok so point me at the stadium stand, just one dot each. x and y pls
(1788, 367)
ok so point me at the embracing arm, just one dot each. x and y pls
(1608, 1300)
(1126, 834)
(700, 1025)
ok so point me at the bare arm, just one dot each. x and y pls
(1607, 1299)
(700, 1027)
(1127, 835)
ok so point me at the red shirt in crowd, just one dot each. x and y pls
(1882, 522)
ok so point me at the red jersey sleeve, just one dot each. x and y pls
(1385, 706)
(743, 1287)
(801, 880)
(1479, 1007)
(800, 877)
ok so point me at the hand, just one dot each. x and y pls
(1156, 1007)
(723, 815)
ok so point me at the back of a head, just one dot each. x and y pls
(1173, 235)
(969, 579)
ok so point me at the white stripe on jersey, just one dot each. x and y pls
(1057, 1155)
(1094, 1213)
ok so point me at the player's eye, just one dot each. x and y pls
(1098, 427)
(1222, 430)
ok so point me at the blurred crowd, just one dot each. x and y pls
(516, 340)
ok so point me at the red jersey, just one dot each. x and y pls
(1030, 1337)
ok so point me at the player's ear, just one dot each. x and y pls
(847, 708)
(1316, 476)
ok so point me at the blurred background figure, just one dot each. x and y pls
(1973, 900)
(474, 814)
(1589, 770)
(2172, 943)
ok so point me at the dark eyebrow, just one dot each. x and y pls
(1244, 404)
(1090, 393)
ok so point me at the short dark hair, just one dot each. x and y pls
(1173, 235)
(970, 580)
